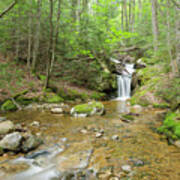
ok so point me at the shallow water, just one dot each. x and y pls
(70, 149)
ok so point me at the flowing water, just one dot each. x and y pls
(70, 145)
(124, 82)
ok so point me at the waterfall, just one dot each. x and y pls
(124, 82)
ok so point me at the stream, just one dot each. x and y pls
(102, 147)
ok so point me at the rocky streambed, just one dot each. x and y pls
(112, 146)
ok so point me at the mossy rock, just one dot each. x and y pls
(171, 126)
(26, 101)
(161, 105)
(89, 109)
(128, 117)
(8, 106)
(52, 98)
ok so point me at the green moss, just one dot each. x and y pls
(83, 108)
(88, 108)
(98, 95)
(128, 117)
(52, 98)
(8, 106)
(171, 127)
(161, 105)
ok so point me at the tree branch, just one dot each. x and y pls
(8, 8)
(176, 3)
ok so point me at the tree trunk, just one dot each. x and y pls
(155, 24)
(50, 54)
(178, 37)
(125, 14)
(122, 17)
(37, 36)
(29, 36)
(55, 40)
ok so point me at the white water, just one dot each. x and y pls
(124, 82)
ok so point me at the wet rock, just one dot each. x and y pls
(138, 163)
(57, 110)
(136, 108)
(6, 127)
(126, 168)
(115, 137)
(3, 119)
(11, 141)
(35, 123)
(98, 135)
(83, 131)
(32, 142)
(89, 109)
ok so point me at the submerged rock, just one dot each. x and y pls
(57, 110)
(6, 127)
(11, 141)
(126, 168)
(2, 119)
(89, 109)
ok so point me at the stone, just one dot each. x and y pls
(8, 106)
(11, 141)
(57, 110)
(3, 119)
(6, 127)
(35, 123)
(177, 143)
(83, 131)
(138, 163)
(98, 135)
(115, 137)
(32, 142)
(126, 168)
(89, 109)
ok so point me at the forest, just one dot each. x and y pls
(89, 89)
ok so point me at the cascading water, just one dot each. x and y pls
(124, 82)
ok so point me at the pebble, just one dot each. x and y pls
(98, 135)
(35, 123)
(115, 137)
(126, 168)
(83, 131)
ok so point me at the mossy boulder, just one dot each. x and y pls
(171, 126)
(50, 97)
(8, 106)
(89, 109)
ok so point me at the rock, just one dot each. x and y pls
(126, 168)
(6, 127)
(8, 106)
(51, 97)
(83, 131)
(98, 135)
(177, 143)
(90, 109)
(136, 109)
(2, 119)
(11, 141)
(35, 123)
(57, 110)
(32, 142)
(115, 137)
(138, 163)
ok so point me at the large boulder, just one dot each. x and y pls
(32, 142)
(89, 109)
(11, 141)
(6, 127)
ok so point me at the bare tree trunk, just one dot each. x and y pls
(122, 17)
(56, 35)
(178, 37)
(29, 37)
(140, 9)
(155, 24)
(18, 35)
(8, 9)
(133, 15)
(48, 63)
(125, 14)
(37, 36)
